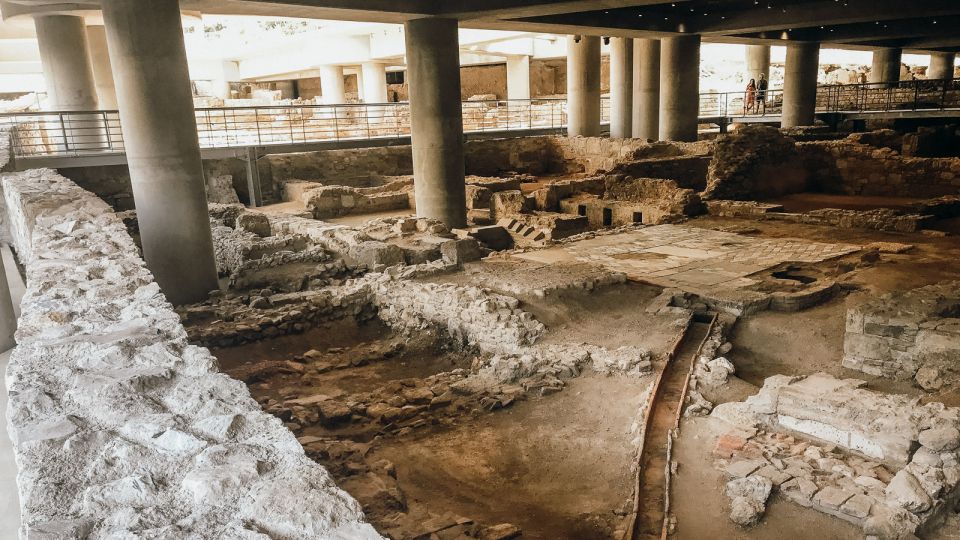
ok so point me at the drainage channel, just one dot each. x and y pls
(651, 504)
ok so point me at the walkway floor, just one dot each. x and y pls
(9, 503)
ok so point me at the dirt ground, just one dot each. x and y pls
(771, 343)
(558, 466)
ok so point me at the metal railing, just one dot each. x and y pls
(918, 95)
(77, 133)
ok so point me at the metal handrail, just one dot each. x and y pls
(74, 133)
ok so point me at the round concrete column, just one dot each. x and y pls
(646, 89)
(102, 72)
(800, 84)
(331, 85)
(679, 88)
(758, 61)
(941, 66)
(886, 65)
(374, 77)
(621, 87)
(8, 315)
(436, 119)
(66, 62)
(160, 134)
(583, 86)
(518, 77)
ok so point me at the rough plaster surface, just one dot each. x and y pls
(123, 429)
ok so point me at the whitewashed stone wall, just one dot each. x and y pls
(121, 428)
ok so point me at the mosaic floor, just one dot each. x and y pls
(689, 257)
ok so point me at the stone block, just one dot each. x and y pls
(460, 251)
(494, 237)
(508, 203)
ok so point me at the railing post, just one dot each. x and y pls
(943, 93)
(253, 178)
(63, 131)
(106, 129)
(336, 124)
(256, 121)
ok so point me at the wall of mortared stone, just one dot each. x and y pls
(857, 169)
(120, 426)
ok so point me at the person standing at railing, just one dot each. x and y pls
(762, 94)
(751, 97)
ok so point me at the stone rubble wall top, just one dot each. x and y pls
(121, 428)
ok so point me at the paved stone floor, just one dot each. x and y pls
(690, 258)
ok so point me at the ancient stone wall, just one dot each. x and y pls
(858, 169)
(907, 335)
(120, 426)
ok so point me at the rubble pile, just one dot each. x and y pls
(711, 369)
(886, 462)
(120, 426)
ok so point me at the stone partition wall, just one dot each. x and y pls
(859, 169)
(121, 428)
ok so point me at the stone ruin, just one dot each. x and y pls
(881, 461)
(908, 335)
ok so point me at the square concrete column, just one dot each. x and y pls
(886, 65)
(518, 77)
(160, 134)
(621, 87)
(800, 84)
(331, 85)
(65, 56)
(679, 88)
(374, 76)
(758, 61)
(102, 72)
(941, 66)
(436, 119)
(646, 89)
(583, 86)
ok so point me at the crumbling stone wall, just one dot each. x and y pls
(755, 162)
(120, 426)
(857, 169)
(907, 335)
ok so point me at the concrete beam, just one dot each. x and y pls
(436, 120)
(163, 152)
(679, 88)
(583, 86)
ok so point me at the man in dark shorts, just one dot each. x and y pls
(762, 94)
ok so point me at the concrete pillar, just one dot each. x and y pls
(160, 133)
(102, 72)
(621, 87)
(758, 61)
(436, 119)
(583, 86)
(800, 84)
(331, 85)
(679, 88)
(941, 66)
(886, 65)
(518, 77)
(646, 89)
(374, 76)
(8, 315)
(66, 62)
(227, 71)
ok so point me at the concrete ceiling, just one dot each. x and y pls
(927, 25)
